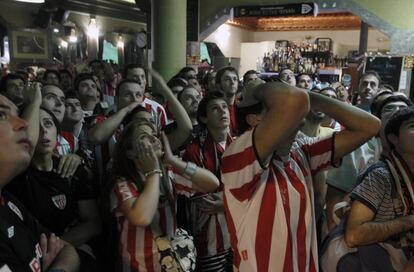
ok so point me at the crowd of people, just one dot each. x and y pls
(203, 172)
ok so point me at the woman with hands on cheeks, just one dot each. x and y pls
(147, 178)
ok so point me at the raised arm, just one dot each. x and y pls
(184, 127)
(33, 100)
(101, 132)
(140, 210)
(286, 107)
(360, 125)
(361, 230)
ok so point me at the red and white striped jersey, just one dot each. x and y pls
(210, 232)
(67, 143)
(157, 112)
(270, 210)
(137, 248)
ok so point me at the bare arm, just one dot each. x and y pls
(89, 225)
(361, 230)
(360, 125)
(101, 132)
(184, 127)
(141, 210)
(286, 107)
(203, 180)
(58, 254)
(33, 98)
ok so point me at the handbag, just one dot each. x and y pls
(176, 253)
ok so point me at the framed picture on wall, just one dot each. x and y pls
(29, 45)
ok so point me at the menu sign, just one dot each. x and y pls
(305, 9)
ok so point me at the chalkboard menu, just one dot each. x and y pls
(388, 68)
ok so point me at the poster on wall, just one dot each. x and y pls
(30, 45)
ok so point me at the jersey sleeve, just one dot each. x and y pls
(122, 191)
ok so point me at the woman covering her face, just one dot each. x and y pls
(147, 178)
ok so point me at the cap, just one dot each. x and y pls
(248, 99)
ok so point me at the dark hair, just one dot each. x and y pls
(250, 72)
(131, 66)
(376, 101)
(185, 70)
(284, 69)
(82, 77)
(181, 93)
(221, 72)
(371, 73)
(124, 81)
(241, 114)
(392, 98)
(6, 78)
(328, 89)
(96, 61)
(71, 94)
(177, 81)
(387, 86)
(128, 118)
(66, 71)
(122, 165)
(49, 71)
(202, 107)
(304, 74)
(394, 123)
(55, 120)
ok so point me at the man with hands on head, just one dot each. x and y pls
(129, 95)
(268, 196)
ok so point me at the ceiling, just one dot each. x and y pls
(325, 21)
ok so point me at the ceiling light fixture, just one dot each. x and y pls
(93, 30)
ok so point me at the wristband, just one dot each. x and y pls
(153, 172)
(189, 170)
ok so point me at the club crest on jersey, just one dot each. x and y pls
(59, 201)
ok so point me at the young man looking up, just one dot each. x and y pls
(137, 73)
(382, 207)
(227, 81)
(305, 82)
(53, 99)
(209, 225)
(268, 193)
(13, 86)
(368, 88)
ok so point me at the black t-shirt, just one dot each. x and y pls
(51, 199)
(19, 236)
